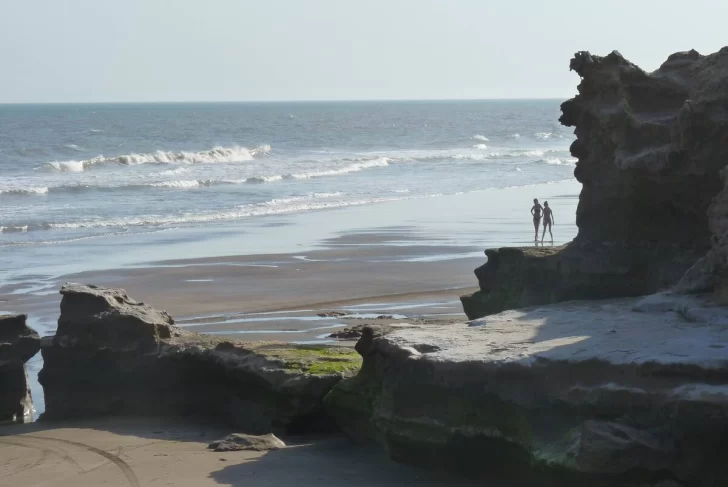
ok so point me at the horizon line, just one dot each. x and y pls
(365, 100)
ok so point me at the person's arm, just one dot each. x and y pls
(534, 206)
(553, 220)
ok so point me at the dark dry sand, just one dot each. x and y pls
(150, 452)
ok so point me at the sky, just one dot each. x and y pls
(245, 50)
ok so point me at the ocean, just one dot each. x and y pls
(78, 172)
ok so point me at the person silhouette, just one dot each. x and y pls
(548, 220)
(536, 213)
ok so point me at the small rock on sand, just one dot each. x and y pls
(331, 314)
(239, 441)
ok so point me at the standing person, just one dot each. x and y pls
(536, 213)
(548, 220)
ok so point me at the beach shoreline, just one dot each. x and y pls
(269, 278)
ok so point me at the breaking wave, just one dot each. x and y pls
(560, 161)
(217, 154)
(311, 202)
(28, 191)
(480, 137)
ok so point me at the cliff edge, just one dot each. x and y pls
(650, 150)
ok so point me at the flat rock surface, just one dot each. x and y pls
(577, 331)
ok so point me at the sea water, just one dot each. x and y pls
(100, 173)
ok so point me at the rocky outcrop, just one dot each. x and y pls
(114, 356)
(18, 344)
(571, 394)
(650, 147)
(239, 442)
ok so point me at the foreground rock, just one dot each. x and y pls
(114, 356)
(18, 344)
(580, 393)
(650, 147)
(239, 442)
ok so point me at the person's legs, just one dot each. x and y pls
(552, 235)
(536, 221)
(544, 230)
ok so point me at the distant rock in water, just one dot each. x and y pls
(239, 441)
(18, 344)
(114, 356)
(650, 149)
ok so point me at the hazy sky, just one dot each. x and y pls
(185, 50)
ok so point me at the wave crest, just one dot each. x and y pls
(216, 154)
(25, 191)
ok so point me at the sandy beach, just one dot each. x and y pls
(155, 452)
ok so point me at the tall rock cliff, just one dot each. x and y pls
(650, 148)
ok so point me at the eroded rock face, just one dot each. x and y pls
(113, 356)
(18, 344)
(570, 394)
(650, 147)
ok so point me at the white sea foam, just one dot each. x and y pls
(560, 162)
(470, 157)
(281, 206)
(481, 137)
(171, 172)
(25, 191)
(258, 179)
(529, 153)
(176, 184)
(67, 166)
(515, 136)
(14, 228)
(217, 154)
(359, 166)
(73, 147)
(480, 146)
(543, 135)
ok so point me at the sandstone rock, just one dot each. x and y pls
(18, 344)
(108, 317)
(113, 356)
(667, 483)
(355, 332)
(577, 393)
(610, 447)
(331, 314)
(239, 441)
(650, 149)
(515, 277)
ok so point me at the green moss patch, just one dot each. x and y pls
(316, 359)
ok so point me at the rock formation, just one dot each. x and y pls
(650, 148)
(239, 441)
(570, 394)
(114, 356)
(18, 344)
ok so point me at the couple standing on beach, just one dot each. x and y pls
(548, 219)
